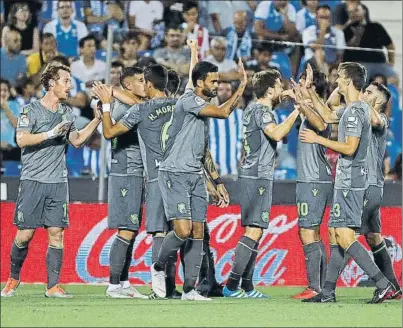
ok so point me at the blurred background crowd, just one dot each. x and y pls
(285, 34)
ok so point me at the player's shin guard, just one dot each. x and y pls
(323, 263)
(247, 277)
(361, 256)
(243, 252)
(193, 259)
(334, 268)
(54, 259)
(19, 253)
(124, 276)
(384, 262)
(312, 262)
(117, 259)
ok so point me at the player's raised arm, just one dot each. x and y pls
(225, 110)
(334, 101)
(278, 131)
(193, 61)
(122, 95)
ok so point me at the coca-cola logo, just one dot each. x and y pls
(92, 259)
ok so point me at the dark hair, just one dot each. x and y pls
(62, 60)
(261, 46)
(201, 70)
(384, 90)
(6, 82)
(87, 38)
(11, 19)
(190, 5)
(174, 26)
(51, 72)
(261, 81)
(146, 61)
(44, 36)
(130, 71)
(319, 81)
(21, 83)
(157, 75)
(174, 82)
(116, 64)
(383, 77)
(356, 72)
(323, 7)
(58, 2)
(131, 35)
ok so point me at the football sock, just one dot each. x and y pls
(312, 262)
(193, 257)
(243, 252)
(156, 246)
(124, 276)
(54, 258)
(384, 262)
(362, 258)
(323, 263)
(18, 255)
(170, 245)
(170, 271)
(117, 259)
(247, 277)
(333, 270)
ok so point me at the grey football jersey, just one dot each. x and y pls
(312, 162)
(126, 157)
(377, 152)
(260, 150)
(45, 162)
(352, 171)
(152, 119)
(187, 136)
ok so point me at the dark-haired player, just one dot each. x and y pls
(261, 134)
(44, 129)
(351, 180)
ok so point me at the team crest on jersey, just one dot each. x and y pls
(345, 193)
(199, 100)
(365, 202)
(315, 192)
(134, 218)
(24, 121)
(261, 190)
(169, 184)
(20, 216)
(265, 216)
(266, 118)
(182, 208)
(123, 191)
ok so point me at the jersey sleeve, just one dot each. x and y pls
(263, 118)
(353, 122)
(132, 117)
(340, 112)
(26, 120)
(193, 104)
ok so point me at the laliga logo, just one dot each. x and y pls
(224, 234)
(353, 274)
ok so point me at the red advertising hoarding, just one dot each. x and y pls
(88, 241)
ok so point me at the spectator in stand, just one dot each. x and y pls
(19, 19)
(173, 12)
(10, 110)
(341, 16)
(100, 13)
(66, 30)
(174, 56)
(88, 68)
(275, 20)
(225, 136)
(13, 63)
(116, 70)
(239, 38)
(322, 33)
(332, 77)
(47, 51)
(129, 48)
(49, 11)
(363, 33)
(227, 68)
(26, 91)
(221, 14)
(143, 14)
(195, 31)
(306, 16)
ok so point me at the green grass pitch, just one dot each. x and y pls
(90, 308)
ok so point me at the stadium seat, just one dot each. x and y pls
(11, 168)
(281, 61)
(301, 68)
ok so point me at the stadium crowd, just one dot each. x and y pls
(35, 33)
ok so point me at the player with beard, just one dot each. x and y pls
(181, 175)
(261, 134)
(351, 182)
(44, 129)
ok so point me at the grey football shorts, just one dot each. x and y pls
(311, 198)
(42, 205)
(125, 194)
(255, 199)
(347, 208)
(371, 217)
(156, 220)
(184, 195)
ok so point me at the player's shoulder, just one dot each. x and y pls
(31, 108)
(359, 107)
